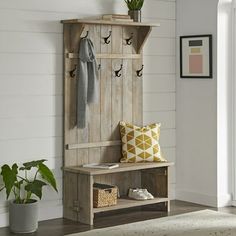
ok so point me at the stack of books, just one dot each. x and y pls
(117, 17)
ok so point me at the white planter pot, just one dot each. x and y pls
(23, 218)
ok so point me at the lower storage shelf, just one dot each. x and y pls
(127, 203)
(79, 181)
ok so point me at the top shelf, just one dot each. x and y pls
(143, 29)
(105, 22)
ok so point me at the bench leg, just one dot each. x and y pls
(85, 199)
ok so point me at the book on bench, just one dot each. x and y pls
(101, 165)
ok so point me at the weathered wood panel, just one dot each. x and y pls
(137, 94)
(94, 111)
(106, 93)
(120, 99)
(85, 199)
(120, 93)
(82, 134)
(70, 131)
(70, 196)
(156, 181)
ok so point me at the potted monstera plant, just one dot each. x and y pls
(135, 7)
(25, 183)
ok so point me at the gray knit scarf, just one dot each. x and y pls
(88, 84)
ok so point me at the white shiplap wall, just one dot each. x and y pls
(159, 77)
(31, 81)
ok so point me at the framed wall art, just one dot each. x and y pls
(196, 56)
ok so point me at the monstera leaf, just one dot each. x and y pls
(31, 164)
(23, 186)
(9, 177)
(35, 187)
(47, 174)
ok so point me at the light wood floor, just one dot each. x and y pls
(59, 227)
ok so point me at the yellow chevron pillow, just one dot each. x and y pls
(140, 144)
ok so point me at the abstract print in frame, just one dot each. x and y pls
(196, 56)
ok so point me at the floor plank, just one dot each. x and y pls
(59, 227)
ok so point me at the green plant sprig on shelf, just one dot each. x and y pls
(134, 4)
(22, 187)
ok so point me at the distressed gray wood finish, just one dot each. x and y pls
(106, 94)
(106, 22)
(120, 99)
(85, 199)
(157, 182)
(94, 113)
(70, 131)
(71, 199)
(153, 176)
(123, 167)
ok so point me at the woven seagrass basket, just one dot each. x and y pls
(104, 195)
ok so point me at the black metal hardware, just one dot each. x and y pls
(87, 33)
(72, 72)
(139, 72)
(106, 39)
(129, 40)
(117, 72)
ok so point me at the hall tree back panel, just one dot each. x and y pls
(120, 97)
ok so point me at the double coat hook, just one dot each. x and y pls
(129, 40)
(72, 72)
(106, 39)
(118, 72)
(87, 33)
(139, 72)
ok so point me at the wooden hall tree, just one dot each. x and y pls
(118, 47)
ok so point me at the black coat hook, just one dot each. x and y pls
(139, 72)
(87, 33)
(129, 40)
(117, 72)
(106, 39)
(72, 72)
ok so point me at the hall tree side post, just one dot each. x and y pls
(120, 99)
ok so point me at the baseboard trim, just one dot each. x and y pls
(233, 203)
(224, 200)
(198, 198)
(203, 199)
